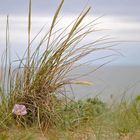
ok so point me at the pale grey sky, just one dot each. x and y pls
(45, 7)
(121, 16)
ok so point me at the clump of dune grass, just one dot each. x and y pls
(40, 76)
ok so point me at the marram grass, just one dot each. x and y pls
(37, 80)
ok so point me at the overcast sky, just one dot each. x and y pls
(122, 17)
(45, 7)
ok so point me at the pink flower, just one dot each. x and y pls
(19, 110)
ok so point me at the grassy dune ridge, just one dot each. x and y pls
(89, 119)
(40, 79)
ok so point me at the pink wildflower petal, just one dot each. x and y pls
(15, 107)
(19, 110)
(24, 112)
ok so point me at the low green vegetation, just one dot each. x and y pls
(85, 120)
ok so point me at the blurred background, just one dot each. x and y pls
(118, 19)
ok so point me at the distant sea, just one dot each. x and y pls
(107, 82)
